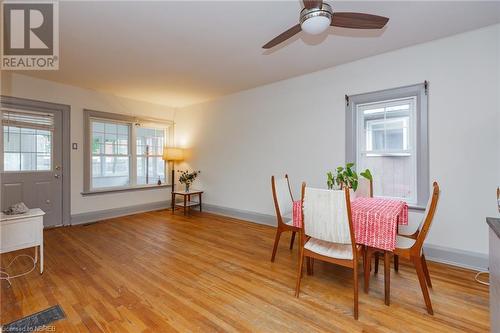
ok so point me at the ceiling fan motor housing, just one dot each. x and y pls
(316, 20)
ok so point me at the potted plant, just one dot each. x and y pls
(187, 178)
(346, 176)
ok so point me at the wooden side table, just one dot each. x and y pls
(186, 203)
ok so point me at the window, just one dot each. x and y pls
(27, 141)
(124, 152)
(387, 133)
(150, 165)
(110, 154)
(386, 141)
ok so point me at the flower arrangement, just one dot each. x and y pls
(187, 178)
(346, 176)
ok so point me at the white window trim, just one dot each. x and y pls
(90, 115)
(421, 132)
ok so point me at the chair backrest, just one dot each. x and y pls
(282, 195)
(428, 217)
(365, 188)
(327, 215)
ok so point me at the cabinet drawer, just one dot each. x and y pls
(20, 233)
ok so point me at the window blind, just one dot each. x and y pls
(27, 119)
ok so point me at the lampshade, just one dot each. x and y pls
(173, 154)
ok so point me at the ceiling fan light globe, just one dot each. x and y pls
(316, 24)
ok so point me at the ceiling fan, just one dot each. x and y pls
(317, 16)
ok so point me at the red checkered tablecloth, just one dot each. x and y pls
(375, 221)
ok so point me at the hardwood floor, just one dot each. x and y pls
(155, 272)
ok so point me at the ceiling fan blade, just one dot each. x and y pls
(284, 36)
(358, 21)
(312, 3)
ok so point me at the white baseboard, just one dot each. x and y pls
(99, 215)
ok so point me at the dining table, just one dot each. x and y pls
(375, 222)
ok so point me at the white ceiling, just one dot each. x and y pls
(179, 53)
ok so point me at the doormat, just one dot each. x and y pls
(35, 322)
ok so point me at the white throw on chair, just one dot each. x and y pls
(329, 233)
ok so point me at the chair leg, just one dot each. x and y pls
(423, 284)
(299, 273)
(355, 270)
(312, 266)
(387, 278)
(396, 263)
(367, 268)
(376, 262)
(426, 271)
(292, 240)
(276, 241)
(308, 265)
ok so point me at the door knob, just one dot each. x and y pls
(56, 176)
(47, 201)
(58, 167)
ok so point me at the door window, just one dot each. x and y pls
(27, 141)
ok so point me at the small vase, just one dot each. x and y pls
(187, 187)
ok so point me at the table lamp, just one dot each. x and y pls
(173, 154)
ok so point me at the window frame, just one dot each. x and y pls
(133, 122)
(420, 92)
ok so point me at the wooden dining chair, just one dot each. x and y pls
(328, 233)
(283, 203)
(411, 248)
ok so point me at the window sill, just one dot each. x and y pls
(124, 189)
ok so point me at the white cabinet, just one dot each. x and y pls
(22, 231)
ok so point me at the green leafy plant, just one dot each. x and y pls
(367, 174)
(187, 178)
(330, 180)
(346, 176)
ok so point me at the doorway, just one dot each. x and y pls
(35, 157)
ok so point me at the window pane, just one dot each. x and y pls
(28, 142)
(392, 175)
(12, 161)
(122, 129)
(23, 145)
(97, 127)
(108, 141)
(43, 144)
(155, 167)
(43, 162)
(110, 128)
(385, 147)
(113, 171)
(11, 141)
(96, 166)
(28, 161)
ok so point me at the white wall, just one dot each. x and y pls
(297, 126)
(27, 87)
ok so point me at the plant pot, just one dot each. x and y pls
(187, 188)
